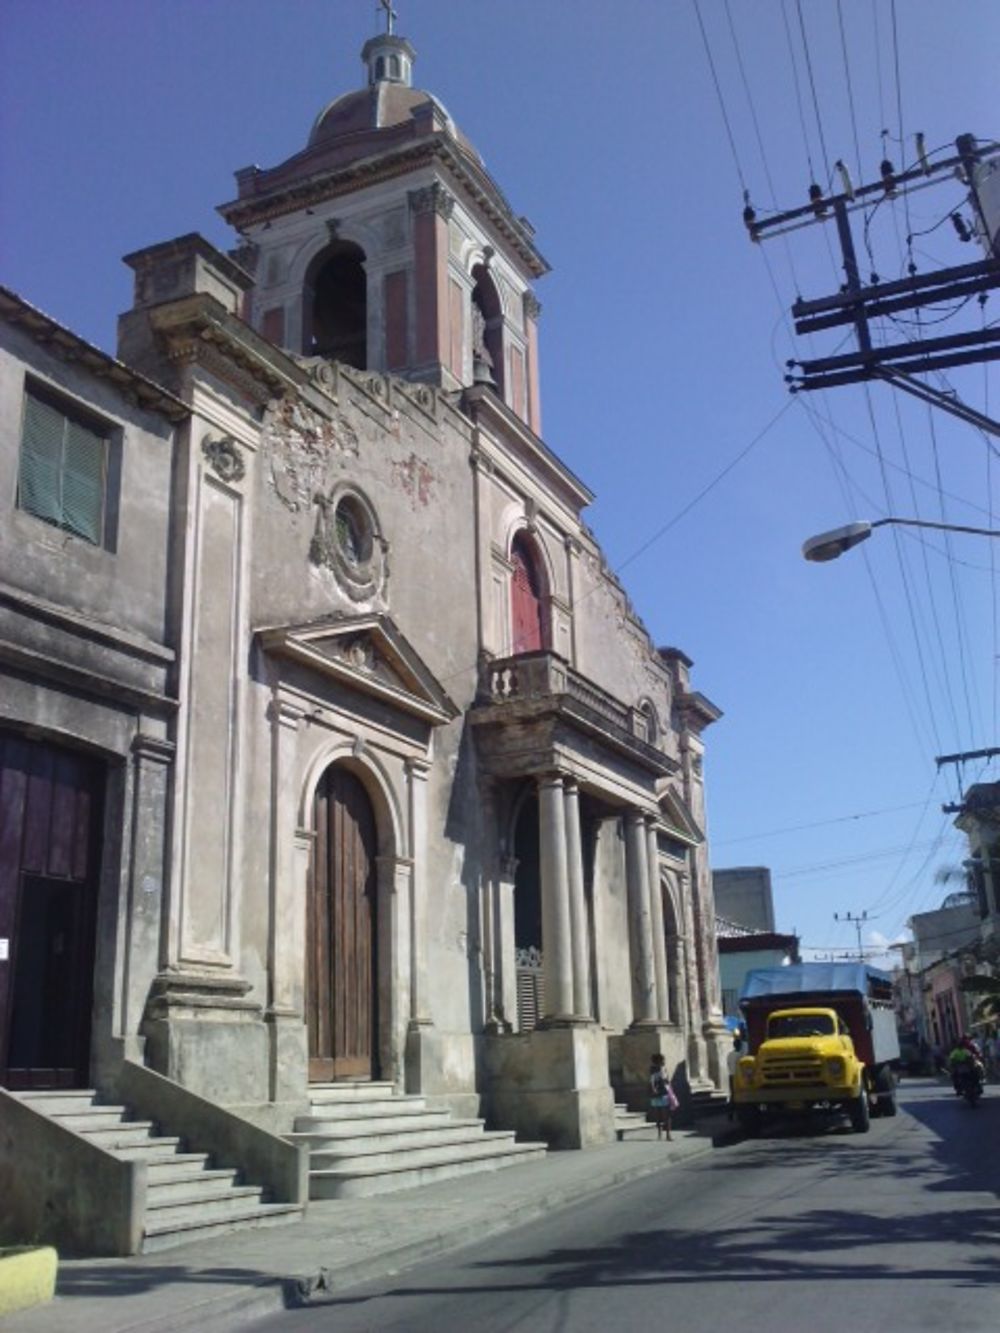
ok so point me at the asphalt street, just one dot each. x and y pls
(808, 1228)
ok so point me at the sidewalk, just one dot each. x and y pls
(222, 1284)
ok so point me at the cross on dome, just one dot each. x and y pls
(390, 16)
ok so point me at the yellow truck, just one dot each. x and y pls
(822, 1037)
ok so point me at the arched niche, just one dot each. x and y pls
(335, 305)
(487, 330)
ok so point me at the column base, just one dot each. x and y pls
(441, 1066)
(203, 1032)
(643, 1040)
(288, 1055)
(551, 1084)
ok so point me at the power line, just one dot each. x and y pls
(850, 90)
(812, 85)
(820, 823)
(722, 104)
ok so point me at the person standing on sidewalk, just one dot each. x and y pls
(662, 1100)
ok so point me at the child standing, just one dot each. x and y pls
(662, 1100)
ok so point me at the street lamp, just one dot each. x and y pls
(830, 545)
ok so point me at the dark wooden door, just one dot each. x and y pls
(50, 807)
(342, 983)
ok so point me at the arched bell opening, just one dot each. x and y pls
(335, 306)
(487, 331)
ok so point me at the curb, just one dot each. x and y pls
(27, 1277)
(273, 1295)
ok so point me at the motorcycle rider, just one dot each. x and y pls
(963, 1061)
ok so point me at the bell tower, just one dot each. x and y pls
(386, 245)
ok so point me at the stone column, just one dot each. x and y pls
(640, 929)
(286, 944)
(417, 771)
(557, 938)
(577, 903)
(656, 924)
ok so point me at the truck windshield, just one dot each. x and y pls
(801, 1025)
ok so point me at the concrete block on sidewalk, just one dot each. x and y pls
(27, 1277)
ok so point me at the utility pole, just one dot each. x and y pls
(896, 362)
(856, 922)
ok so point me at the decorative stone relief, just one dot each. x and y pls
(432, 199)
(415, 477)
(301, 446)
(224, 458)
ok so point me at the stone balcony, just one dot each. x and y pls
(534, 708)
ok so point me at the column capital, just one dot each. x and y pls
(285, 713)
(418, 769)
(551, 779)
(433, 198)
(152, 748)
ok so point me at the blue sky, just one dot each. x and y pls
(664, 339)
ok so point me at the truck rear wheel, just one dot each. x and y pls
(860, 1113)
(885, 1086)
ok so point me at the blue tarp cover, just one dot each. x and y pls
(802, 978)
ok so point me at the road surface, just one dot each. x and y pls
(812, 1229)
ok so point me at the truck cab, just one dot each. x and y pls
(818, 1041)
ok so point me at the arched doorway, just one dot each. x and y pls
(674, 953)
(342, 932)
(335, 306)
(528, 917)
(528, 629)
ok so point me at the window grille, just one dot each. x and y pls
(530, 988)
(63, 470)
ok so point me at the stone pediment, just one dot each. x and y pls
(369, 653)
(677, 820)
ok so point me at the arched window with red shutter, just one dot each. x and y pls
(526, 600)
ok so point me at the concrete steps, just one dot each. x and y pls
(632, 1125)
(364, 1139)
(187, 1199)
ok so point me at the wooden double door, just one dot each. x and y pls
(50, 815)
(342, 932)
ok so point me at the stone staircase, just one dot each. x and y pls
(364, 1138)
(187, 1199)
(632, 1125)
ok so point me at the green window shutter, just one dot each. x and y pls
(39, 481)
(83, 482)
(62, 471)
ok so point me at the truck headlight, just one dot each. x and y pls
(745, 1069)
(836, 1068)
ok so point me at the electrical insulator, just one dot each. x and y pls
(888, 176)
(922, 154)
(958, 222)
(816, 199)
(845, 179)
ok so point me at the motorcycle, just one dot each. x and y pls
(969, 1081)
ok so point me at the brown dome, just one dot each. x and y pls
(382, 106)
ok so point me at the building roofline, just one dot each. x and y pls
(48, 332)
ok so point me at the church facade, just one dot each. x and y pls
(359, 757)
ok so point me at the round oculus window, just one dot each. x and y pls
(353, 532)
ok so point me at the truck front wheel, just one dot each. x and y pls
(749, 1120)
(859, 1112)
